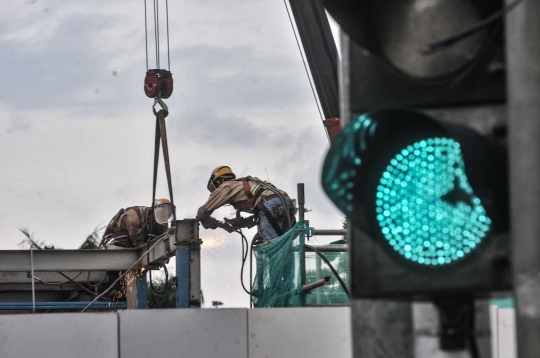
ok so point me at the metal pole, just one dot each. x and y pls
(316, 284)
(142, 290)
(380, 329)
(182, 277)
(523, 77)
(301, 201)
(195, 268)
(318, 276)
(33, 284)
(188, 264)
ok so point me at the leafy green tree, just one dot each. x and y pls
(90, 243)
(165, 297)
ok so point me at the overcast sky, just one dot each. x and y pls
(77, 131)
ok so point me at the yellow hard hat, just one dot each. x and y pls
(161, 201)
(218, 176)
(163, 211)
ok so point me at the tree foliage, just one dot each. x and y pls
(332, 294)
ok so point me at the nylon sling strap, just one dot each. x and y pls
(161, 136)
(271, 219)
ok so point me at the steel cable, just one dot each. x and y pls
(160, 238)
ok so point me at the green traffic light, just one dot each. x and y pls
(426, 208)
(429, 192)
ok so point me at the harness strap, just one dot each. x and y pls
(247, 191)
(252, 193)
(271, 219)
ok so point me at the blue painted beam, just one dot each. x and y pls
(142, 291)
(182, 276)
(75, 305)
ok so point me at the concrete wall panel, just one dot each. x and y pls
(59, 335)
(189, 333)
(300, 332)
(507, 333)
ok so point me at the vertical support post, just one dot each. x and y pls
(301, 202)
(195, 270)
(136, 291)
(188, 264)
(523, 78)
(182, 277)
(142, 290)
(380, 328)
(318, 276)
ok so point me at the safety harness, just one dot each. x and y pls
(121, 236)
(253, 188)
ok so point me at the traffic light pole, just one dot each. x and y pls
(380, 328)
(523, 58)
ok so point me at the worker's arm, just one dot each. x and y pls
(206, 220)
(221, 196)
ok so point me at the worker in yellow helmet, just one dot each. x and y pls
(273, 211)
(132, 227)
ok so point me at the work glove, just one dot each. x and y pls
(209, 223)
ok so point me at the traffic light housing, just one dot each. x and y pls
(393, 61)
(430, 197)
(420, 171)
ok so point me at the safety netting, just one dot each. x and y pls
(278, 282)
(316, 269)
(280, 266)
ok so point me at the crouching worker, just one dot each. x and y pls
(133, 227)
(273, 211)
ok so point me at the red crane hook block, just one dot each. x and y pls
(158, 82)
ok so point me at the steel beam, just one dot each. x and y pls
(52, 277)
(86, 260)
(76, 305)
(321, 52)
(67, 260)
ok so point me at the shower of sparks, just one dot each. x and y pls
(213, 241)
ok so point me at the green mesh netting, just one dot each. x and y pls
(278, 282)
(316, 269)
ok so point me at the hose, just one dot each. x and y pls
(55, 283)
(81, 286)
(245, 251)
(96, 285)
(332, 269)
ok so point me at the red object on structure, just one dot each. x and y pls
(333, 126)
(158, 81)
